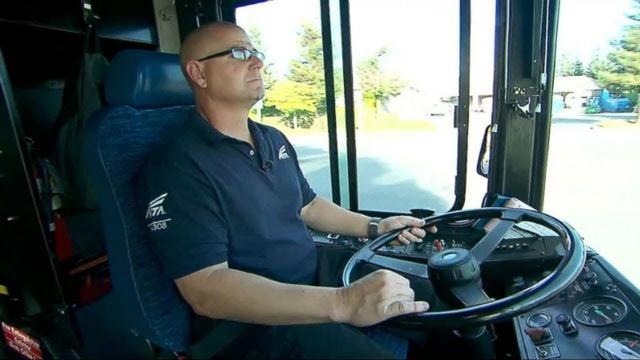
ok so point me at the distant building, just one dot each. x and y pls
(576, 90)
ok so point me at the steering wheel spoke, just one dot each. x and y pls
(399, 265)
(488, 243)
(470, 294)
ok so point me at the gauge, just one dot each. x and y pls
(600, 311)
(620, 345)
(539, 320)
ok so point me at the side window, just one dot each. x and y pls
(593, 163)
(289, 33)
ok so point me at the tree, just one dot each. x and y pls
(294, 101)
(578, 68)
(377, 88)
(621, 74)
(300, 97)
(569, 66)
(596, 65)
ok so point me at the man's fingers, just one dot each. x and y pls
(407, 234)
(406, 307)
(432, 229)
(403, 239)
(419, 233)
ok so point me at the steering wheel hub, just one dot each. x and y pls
(453, 266)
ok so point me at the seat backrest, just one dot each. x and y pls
(148, 99)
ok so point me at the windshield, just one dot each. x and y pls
(405, 90)
(289, 34)
(594, 155)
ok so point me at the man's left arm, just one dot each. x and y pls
(325, 216)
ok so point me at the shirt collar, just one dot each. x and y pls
(203, 128)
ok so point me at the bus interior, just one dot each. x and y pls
(86, 91)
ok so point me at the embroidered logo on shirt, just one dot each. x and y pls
(282, 154)
(155, 206)
(155, 209)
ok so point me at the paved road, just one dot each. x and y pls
(592, 181)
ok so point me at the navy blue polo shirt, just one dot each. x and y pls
(210, 198)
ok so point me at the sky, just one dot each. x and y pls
(422, 35)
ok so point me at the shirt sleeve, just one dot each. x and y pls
(182, 216)
(307, 192)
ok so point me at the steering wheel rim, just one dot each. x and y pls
(493, 310)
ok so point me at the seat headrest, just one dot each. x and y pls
(146, 80)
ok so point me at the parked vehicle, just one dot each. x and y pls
(608, 103)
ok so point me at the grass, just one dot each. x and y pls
(385, 122)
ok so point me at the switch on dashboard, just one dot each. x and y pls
(567, 325)
(539, 335)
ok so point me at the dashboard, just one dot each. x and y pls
(593, 318)
(524, 241)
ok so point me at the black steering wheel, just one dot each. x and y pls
(457, 271)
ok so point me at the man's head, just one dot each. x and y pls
(223, 78)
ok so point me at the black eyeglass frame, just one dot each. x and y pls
(247, 54)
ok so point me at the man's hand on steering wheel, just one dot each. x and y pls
(414, 234)
(376, 297)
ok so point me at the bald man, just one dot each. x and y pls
(228, 211)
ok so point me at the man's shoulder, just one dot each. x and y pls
(269, 131)
(176, 151)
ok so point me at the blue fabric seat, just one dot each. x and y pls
(148, 99)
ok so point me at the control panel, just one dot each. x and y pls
(592, 318)
(517, 244)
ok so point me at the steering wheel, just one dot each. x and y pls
(456, 271)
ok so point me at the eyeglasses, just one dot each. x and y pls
(241, 54)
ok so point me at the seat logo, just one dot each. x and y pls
(155, 207)
(282, 154)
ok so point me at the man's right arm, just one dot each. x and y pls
(223, 293)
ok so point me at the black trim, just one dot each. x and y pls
(462, 110)
(241, 3)
(543, 126)
(327, 50)
(347, 64)
(497, 151)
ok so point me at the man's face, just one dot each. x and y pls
(227, 78)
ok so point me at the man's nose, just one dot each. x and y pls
(255, 62)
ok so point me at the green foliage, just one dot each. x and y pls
(596, 66)
(295, 101)
(569, 66)
(621, 71)
(377, 88)
(300, 97)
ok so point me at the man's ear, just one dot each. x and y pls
(196, 73)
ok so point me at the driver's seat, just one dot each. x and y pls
(148, 99)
